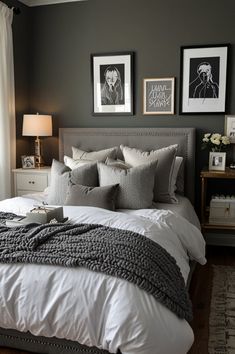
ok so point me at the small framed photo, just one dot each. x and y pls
(112, 83)
(217, 161)
(203, 79)
(158, 96)
(28, 161)
(230, 128)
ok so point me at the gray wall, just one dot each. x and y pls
(64, 35)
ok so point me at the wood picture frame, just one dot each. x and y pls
(158, 96)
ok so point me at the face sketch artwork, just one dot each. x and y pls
(203, 85)
(112, 90)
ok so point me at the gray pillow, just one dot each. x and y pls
(62, 176)
(135, 184)
(117, 163)
(100, 197)
(163, 177)
(100, 155)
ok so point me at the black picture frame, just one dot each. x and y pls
(203, 79)
(112, 83)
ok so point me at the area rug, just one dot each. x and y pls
(222, 311)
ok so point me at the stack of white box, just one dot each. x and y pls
(222, 210)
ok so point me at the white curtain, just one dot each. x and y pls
(7, 103)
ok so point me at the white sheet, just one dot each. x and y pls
(93, 308)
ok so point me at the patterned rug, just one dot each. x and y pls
(222, 312)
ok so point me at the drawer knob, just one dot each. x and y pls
(31, 182)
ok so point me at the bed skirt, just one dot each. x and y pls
(26, 341)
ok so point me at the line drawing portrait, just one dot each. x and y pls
(204, 78)
(112, 89)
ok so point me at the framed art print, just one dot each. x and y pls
(112, 83)
(230, 128)
(28, 161)
(203, 79)
(158, 96)
(217, 161)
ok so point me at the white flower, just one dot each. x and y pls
(215, 139)
(207, 135)
(225, 140)
(205, 139)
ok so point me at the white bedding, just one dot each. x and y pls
(93, 308)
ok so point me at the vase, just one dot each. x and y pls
(217, 161)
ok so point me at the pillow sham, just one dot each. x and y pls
(163, 176)
(135, 184)
(100, 197)
(62, 176)
(177, 165)
(100, 155)
(72, 163)
(117, 163)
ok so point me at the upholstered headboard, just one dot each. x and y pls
(143, 138)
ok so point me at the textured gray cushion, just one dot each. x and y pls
(100, 155)
(100, 197)
(135, 184)
(62, 176)
(165, 158)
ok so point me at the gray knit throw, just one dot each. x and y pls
(120, 253)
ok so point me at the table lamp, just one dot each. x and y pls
(37, 125)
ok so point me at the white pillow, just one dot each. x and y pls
(177, 165)
(72, 163)
(100, 155)
(163, 176)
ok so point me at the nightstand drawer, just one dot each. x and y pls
(31, 182)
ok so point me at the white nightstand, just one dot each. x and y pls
(27, 181)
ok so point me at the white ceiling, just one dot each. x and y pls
(44, 2)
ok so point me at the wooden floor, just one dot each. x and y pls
(200, 292)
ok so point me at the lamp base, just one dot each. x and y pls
(38, 151)
(39, 161)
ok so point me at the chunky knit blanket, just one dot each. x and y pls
(116, 252)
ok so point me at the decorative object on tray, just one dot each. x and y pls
(37, 125)
(112, 83)
(203, 79)
(230, 128)
(28, 161)
(40, 214)
(158, 96)
(216, 143)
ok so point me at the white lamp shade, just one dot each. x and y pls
(37, 125)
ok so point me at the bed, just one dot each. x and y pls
(134, 321)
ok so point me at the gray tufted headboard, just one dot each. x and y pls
(143, 138)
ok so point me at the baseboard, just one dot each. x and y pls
(220, 239)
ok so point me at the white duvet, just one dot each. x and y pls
(93, 308)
